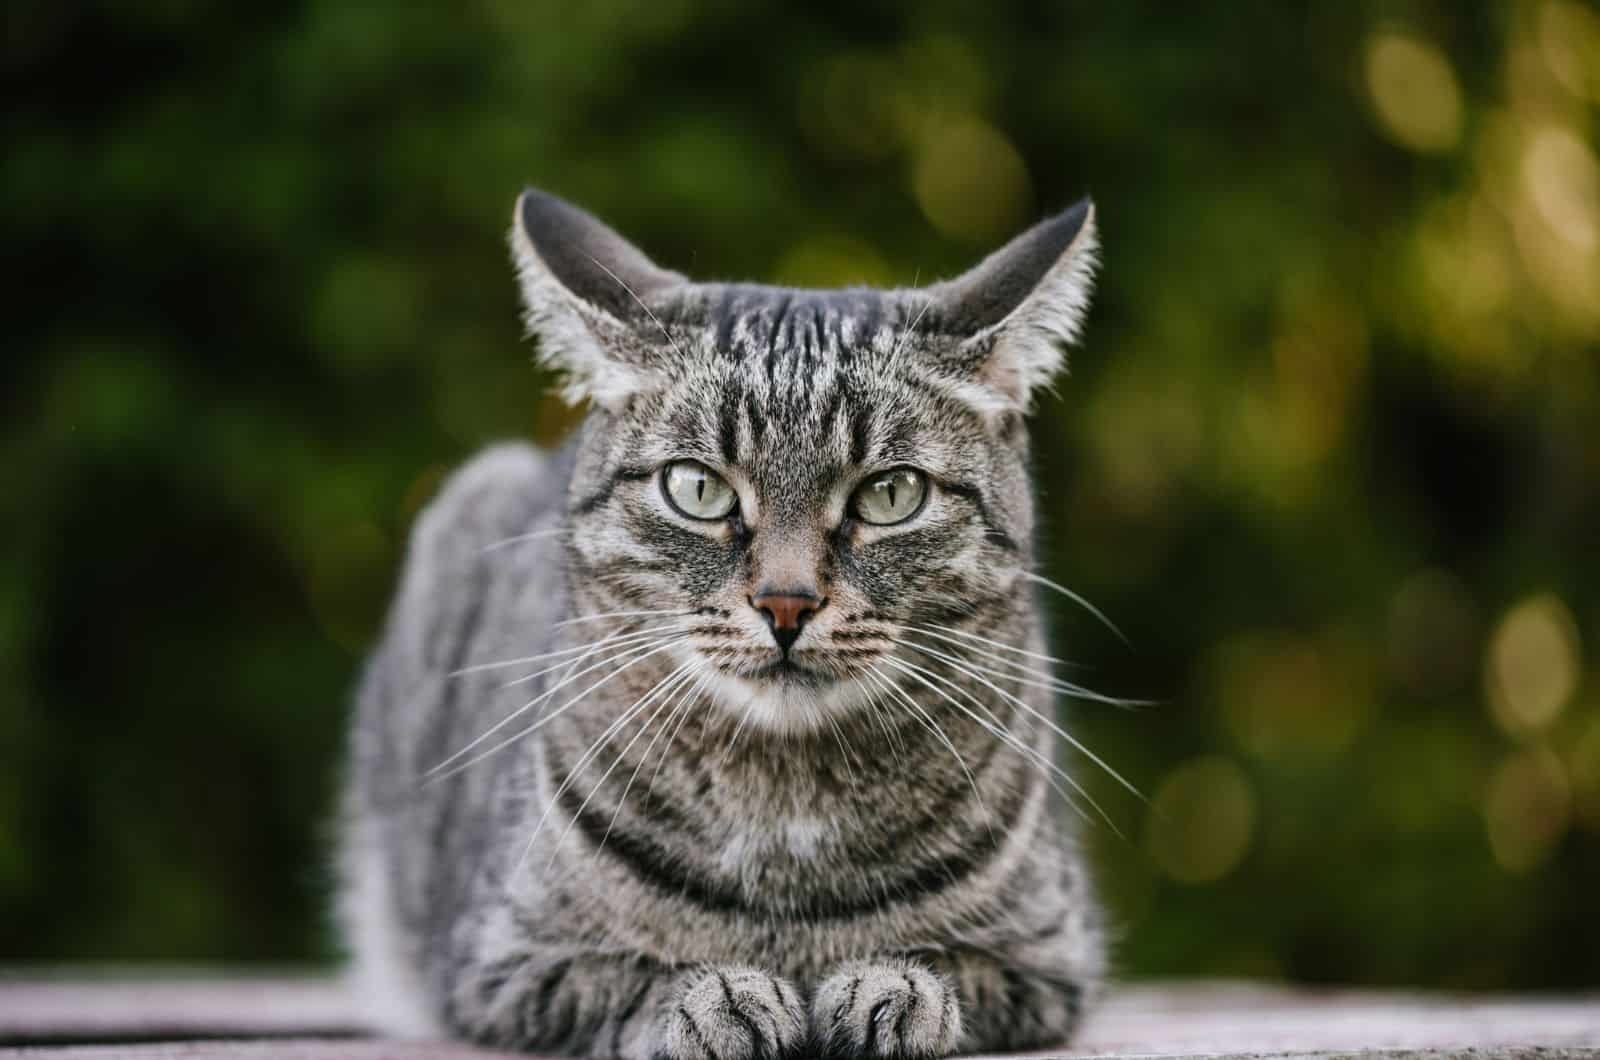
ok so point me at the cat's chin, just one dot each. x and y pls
(785, 697)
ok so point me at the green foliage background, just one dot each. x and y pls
(1329, 453)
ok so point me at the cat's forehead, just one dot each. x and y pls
(768, 325)
(796, 388)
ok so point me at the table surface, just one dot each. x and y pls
(206, 1015)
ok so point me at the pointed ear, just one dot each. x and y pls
(1022, 305)
(585, 292)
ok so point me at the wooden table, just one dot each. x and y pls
(207, 1016)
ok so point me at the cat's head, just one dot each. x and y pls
(790, 482)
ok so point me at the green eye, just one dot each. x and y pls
(891, 496)
(696, 490)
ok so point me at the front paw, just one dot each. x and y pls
(731, 1013)
(888, 1009)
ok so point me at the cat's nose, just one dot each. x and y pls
(787, 612)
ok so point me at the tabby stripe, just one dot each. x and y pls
(907, 1012)
(974, 496)
(694, 1032)
(860, 434)
(607, 488)
(757, 417)
(549, 982)
(757, 1040)
(773, 335)
(728, 426)
(658, 867)
(628, 1011)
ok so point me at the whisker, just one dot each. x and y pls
(1057, 729)
(933, 631)
(534, 535)
(703, 683)
(434, 777)
(905, 335)
(677, 698)
(664, 688)
(636, 298)
(880, 713)
(626, 643)
(932, 726)
(1005, 736)
(622, 719)
(547, 693)
(749, 705)
(1037, 679)
(616, 614)
(1080, 601)
(558, 653)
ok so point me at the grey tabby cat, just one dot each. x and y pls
(723, 733)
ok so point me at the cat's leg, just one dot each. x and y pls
(934, 1004)
(632, 1008)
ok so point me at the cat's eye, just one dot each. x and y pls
(696, 490)
(891, 496)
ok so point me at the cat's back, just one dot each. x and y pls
(482, 582)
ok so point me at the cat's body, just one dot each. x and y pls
(787, 780)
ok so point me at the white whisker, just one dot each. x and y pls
(703, 683)
(534, 535)
(434, 776)
(616, 614)
(677, 698)
(1057, 729)
(636, 298)
(894, 354)
(632, 711)
(1027, 675)
(626, 643)
(1080, 601)
(663, 688)
(558, 653)
(932, 726)
(932, 631)
(849, 759)
(1005, 736)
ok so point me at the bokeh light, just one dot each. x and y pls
(1527, 808)
(1569, 36)
(1533, 664)
(1201, 820)
(1414, 91)
(1284, 695)
(971, 183)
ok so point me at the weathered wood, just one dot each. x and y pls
(154, 1017)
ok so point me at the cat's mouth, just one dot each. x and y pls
(789, 669)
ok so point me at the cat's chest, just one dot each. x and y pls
(761, 838)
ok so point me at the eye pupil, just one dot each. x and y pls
(696, 491)
(878, 500)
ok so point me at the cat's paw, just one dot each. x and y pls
(731, 1013)
(888, 1008)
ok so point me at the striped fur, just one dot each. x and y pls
(692, 854)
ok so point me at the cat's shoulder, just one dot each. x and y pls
(504, 490)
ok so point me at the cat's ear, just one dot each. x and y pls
(1021, 306)
(585, 295)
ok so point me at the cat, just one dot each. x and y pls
(724, 732)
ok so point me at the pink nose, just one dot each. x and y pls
(786, 614)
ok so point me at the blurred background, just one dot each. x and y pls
(1329, 454)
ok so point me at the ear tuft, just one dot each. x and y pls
(584, 292)
(1021, 306)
